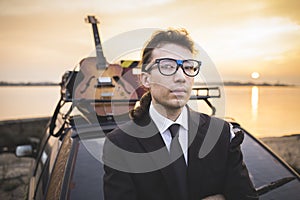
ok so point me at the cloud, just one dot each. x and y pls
(234, 32)
(284, 8)
(16, 7)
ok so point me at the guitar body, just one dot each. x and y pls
(119, 89)
(86, 88)
(102, 81)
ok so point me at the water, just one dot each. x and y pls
(27, 102)
(263, 111)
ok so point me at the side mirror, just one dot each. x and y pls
(24, 151)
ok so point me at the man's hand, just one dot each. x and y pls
(215, 197)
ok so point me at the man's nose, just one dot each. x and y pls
(179, 75)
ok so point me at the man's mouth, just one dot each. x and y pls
(179, 91)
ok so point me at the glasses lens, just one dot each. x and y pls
(167, 67)
(191, 67)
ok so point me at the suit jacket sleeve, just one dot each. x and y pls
(238, 183)
(118, 185)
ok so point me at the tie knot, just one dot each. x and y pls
(174, 129)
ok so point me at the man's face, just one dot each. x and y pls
(169, 92)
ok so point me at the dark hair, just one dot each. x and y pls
(159, 38)
(143, 109)
(170, 36)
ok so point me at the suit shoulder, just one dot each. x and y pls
(118, 134)
(197, 115)
(207, 119)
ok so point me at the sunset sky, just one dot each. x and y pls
(41, 39)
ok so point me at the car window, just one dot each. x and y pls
(86, 181)
(267, 171)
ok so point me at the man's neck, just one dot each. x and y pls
(170, 113)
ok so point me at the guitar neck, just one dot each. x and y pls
(101, 60)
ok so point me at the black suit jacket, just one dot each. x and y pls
(136, 162)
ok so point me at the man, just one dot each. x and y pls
(149, 158)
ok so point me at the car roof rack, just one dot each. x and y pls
(198, 93)
(205, 93)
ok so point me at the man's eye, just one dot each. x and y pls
(189, 68)
(167, 66)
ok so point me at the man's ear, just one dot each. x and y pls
(145, 79)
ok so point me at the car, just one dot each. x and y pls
(68, 161)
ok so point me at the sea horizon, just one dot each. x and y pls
(225, 83)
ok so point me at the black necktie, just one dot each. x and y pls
(179, 164)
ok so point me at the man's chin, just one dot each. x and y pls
(178, 103)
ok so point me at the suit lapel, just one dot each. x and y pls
(196, 133)
(198, 126)
(155, 146)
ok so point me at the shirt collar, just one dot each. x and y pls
(163, 123)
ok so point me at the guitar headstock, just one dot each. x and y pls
(91, 19)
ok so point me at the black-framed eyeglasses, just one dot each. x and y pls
(169, 66)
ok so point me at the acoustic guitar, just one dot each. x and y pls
(103, 82)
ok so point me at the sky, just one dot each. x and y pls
(41, 39)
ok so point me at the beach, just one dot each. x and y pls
(14, 172)
(287, 147)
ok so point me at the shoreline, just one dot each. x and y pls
(225, 83)
(20, 131)
(286, 147)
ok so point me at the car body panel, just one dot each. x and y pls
(266, 168)
(77, 169)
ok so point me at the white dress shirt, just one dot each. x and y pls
(164, 123)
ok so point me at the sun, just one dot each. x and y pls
(255, 75)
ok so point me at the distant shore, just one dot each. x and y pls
(3, 83)
(226, 83)
(237, 83)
